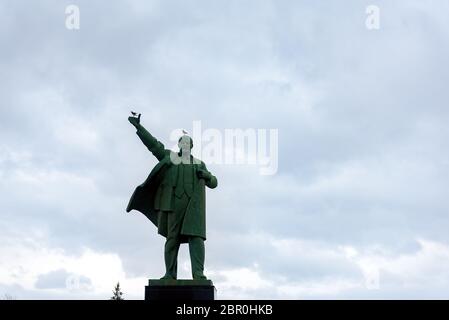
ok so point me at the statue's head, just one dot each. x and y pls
(185, 143)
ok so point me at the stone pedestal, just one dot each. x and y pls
(180, 290)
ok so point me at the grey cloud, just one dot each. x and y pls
(61, 279)
(361, 118)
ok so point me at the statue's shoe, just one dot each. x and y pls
(199, 277)
(167, 277)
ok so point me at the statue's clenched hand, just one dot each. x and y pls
(203, 174)
(134, 121)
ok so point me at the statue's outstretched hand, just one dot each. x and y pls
(134, 121)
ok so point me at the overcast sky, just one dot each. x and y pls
(358, 207)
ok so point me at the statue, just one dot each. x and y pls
(173, 198)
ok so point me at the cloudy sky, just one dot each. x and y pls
(358, 207)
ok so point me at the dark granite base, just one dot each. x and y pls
(180, 290)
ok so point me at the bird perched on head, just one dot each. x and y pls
(184, 132)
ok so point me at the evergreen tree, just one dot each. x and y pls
(117, 293)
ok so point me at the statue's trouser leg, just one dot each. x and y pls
(196, 249)
(171, 257)
(174, 224)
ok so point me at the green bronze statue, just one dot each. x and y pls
(173, 198)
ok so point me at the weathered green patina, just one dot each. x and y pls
(173, 198)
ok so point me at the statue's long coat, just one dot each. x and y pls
(160, 183)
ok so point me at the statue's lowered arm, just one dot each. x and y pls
(209, 178)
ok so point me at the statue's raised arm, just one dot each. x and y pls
(156, 147)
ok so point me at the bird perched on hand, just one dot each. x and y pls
(135, 114)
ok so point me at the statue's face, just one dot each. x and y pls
(184, 144)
